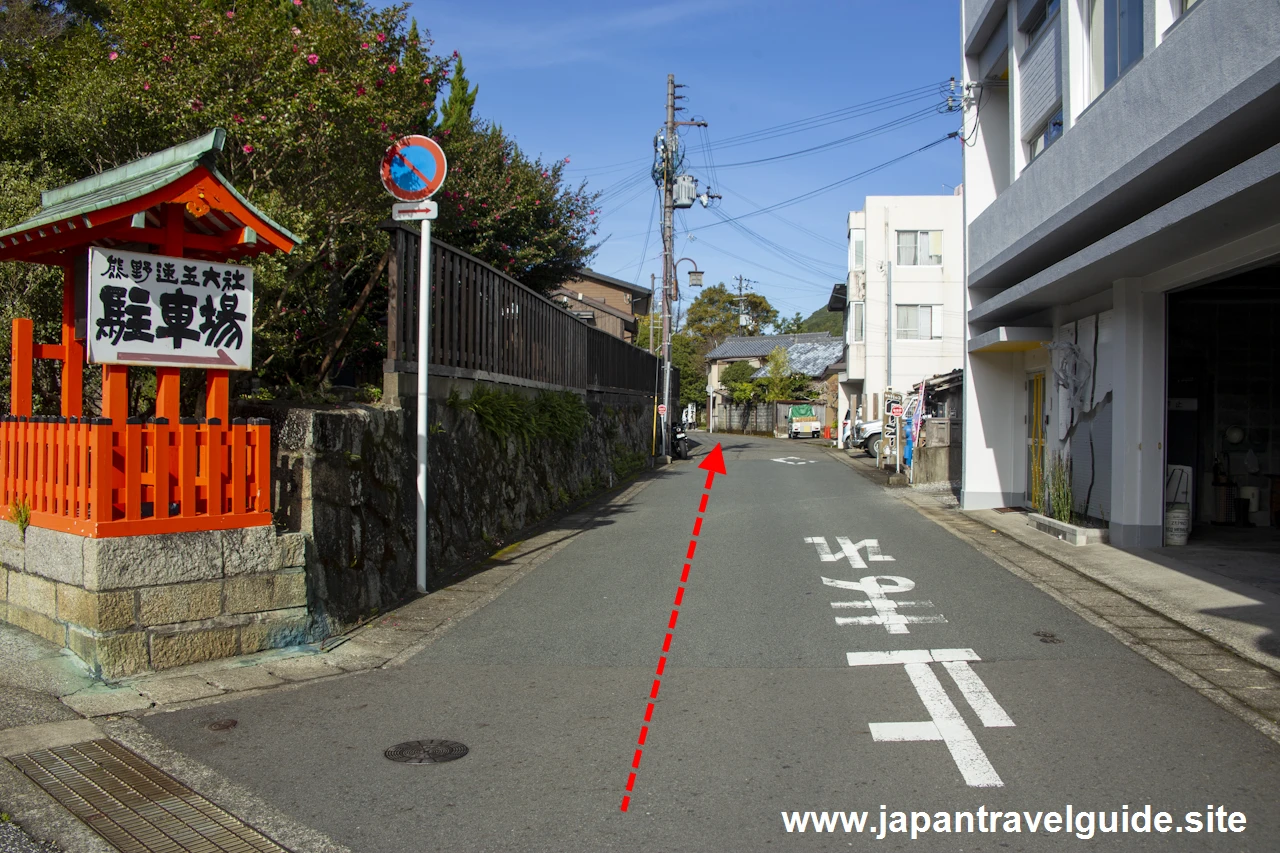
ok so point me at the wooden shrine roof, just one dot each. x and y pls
(121, 207)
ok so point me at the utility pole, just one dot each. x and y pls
(742, 299)
(670, 289)
(668, 255)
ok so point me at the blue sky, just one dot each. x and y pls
(587, 80)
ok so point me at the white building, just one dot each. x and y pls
(904, 298)
(1122, 176)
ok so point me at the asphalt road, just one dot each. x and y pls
(760, 711)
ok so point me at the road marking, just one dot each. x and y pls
(875, 587)
(910, 656)
(977, 695)
(795, 460)
(849, 550)
(945, 723)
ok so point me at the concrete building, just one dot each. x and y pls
(1122, 205)
(904, 298)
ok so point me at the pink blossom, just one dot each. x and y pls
(197, 104)
(364, 45)
(312, 59)
(262, 118)
(379, 83)
(231, 14)
(381, 37)
(166, 59)
(248, 149)
(146, 87)
(359, 90)
(237, 118)
(474, 223)
(383, 126)
(544, 174)
(391, 68)
(195, 38)
(297, 335)
(426, 80)
(566, 159)
(537, 201)
(296, 31)
(297, 2)
(113, 56)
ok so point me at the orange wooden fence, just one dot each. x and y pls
(96, 478)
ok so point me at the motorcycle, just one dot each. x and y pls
(679, 441)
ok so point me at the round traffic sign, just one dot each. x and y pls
(413, 168)
(662, 409)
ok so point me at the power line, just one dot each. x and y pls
(827, 188)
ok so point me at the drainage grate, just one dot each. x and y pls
(426, 751)
(134, 805)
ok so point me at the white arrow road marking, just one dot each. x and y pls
(794, 460)
(945, 723)
(875, 587)
(849, 549)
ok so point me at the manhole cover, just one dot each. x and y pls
(222, 725)
(426, 751)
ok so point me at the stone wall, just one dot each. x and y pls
(130, 604)
(345, 478)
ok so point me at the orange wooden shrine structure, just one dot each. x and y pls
(117, 475)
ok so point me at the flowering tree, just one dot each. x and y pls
(311, 92)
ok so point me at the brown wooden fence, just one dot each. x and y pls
(487, 325)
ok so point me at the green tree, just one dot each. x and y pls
(739, 371)
(791, 325)
(714, 316)
(776, 380)
(310, 94)
(514, 212)
(457, 110)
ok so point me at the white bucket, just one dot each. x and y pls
(1177, 522)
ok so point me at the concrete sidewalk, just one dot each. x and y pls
(1219, 635)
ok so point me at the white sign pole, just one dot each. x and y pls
(424, 330)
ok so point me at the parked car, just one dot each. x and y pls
(867, 436)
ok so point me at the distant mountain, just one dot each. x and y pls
(823, 320)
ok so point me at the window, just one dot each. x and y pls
(858, 322)
(1048, 133)
(858, 240)
(919, 248)
(919, 322)
(1115, 40)
(1042, 19)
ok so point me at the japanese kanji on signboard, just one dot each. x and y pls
(157, 311)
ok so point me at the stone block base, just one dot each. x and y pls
(135, 604)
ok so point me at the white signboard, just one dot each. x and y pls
(157, 311)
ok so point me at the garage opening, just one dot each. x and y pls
(1223, 425)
